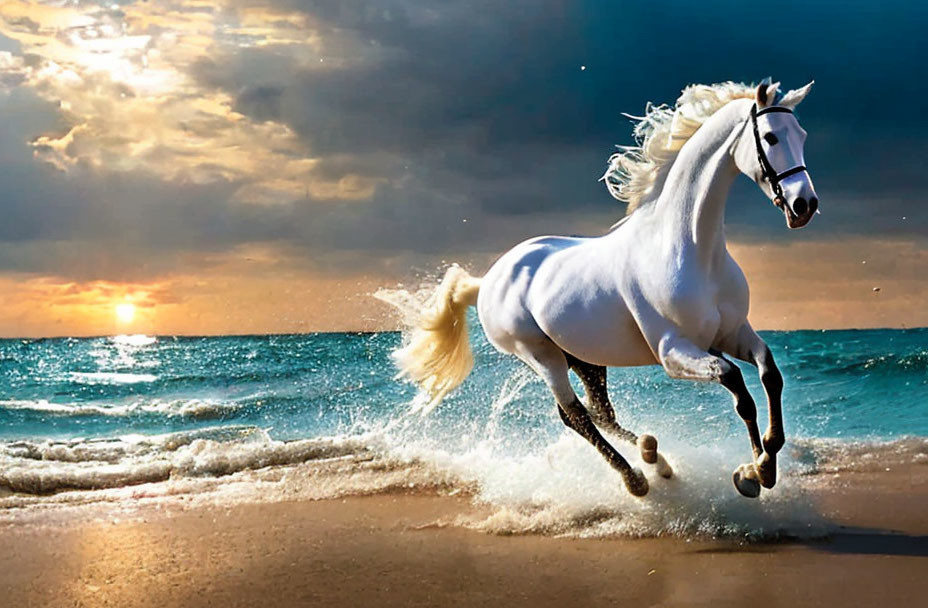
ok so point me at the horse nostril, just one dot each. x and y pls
(800, 206)
(813, 204)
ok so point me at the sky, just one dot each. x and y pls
(192, 167)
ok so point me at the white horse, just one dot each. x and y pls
(659, 288)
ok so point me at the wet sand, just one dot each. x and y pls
(393, 550)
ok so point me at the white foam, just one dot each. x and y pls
(568, 489)
(46, 467)
(192, 408)
(111, 377)
(815, 456)
(563, 486)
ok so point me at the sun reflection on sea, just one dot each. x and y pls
(134, 340)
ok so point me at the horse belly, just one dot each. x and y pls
(602, 333)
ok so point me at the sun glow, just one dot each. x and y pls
(125, 312)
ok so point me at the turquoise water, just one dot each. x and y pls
(869, 384)
(121, 420)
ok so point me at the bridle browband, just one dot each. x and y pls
(766, 169)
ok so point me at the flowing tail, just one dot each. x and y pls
(437, 356)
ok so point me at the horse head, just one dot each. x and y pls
(770, 151)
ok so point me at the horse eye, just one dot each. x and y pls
(771, 139)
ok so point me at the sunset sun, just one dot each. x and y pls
(125, 312)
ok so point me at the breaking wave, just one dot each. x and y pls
(565, 489)
(193, 408)
(266, 418)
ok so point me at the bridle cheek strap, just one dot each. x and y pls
(767, 171)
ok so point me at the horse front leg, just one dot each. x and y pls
(751, 348)
(684, 360)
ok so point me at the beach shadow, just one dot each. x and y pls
(867, 541)
(846, 540)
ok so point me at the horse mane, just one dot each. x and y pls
(636, 174)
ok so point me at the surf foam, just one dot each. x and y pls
(49, 466)
(542, 480)
(186, 408)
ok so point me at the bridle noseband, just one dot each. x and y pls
(766, 169)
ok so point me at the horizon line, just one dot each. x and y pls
(386, 331)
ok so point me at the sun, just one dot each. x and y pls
(125, 312)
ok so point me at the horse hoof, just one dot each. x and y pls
(745, 479)
(648, 446)
(663, 467)
(636, 483)
(766, 466)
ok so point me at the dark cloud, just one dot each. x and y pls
(484, 92)
(479, 111)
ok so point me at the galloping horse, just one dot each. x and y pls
(659, 288)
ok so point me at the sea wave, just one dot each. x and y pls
(824, 456)
(182, 408)
(47, 467)
(912, 362)
(111, 378)
(564, 490)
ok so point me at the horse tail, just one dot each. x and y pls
(436, 356)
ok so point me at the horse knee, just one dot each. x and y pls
(746, 409)
(730, 376)
(772, 380)
(574, 412)
(576, 417)
(773, 441)
(732, 379)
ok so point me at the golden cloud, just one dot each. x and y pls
(121, 77)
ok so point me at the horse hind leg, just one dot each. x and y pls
(549, 362)
(593, 378)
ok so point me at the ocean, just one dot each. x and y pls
(125, 420)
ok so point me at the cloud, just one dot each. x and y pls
(120, 79)
(348, 133)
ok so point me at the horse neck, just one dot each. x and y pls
(691, 207)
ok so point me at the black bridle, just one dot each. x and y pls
(766, 169)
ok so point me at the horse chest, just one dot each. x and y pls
(702, 305)
(694, 310)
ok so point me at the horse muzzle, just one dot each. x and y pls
(799, 212)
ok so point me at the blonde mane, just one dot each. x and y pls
(636, 174)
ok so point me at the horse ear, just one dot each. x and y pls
(792, 99)
(766, 94)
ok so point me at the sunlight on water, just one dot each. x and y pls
(135, 340)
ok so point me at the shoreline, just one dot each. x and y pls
(399, 549)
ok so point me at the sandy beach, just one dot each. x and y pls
(400, 550)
